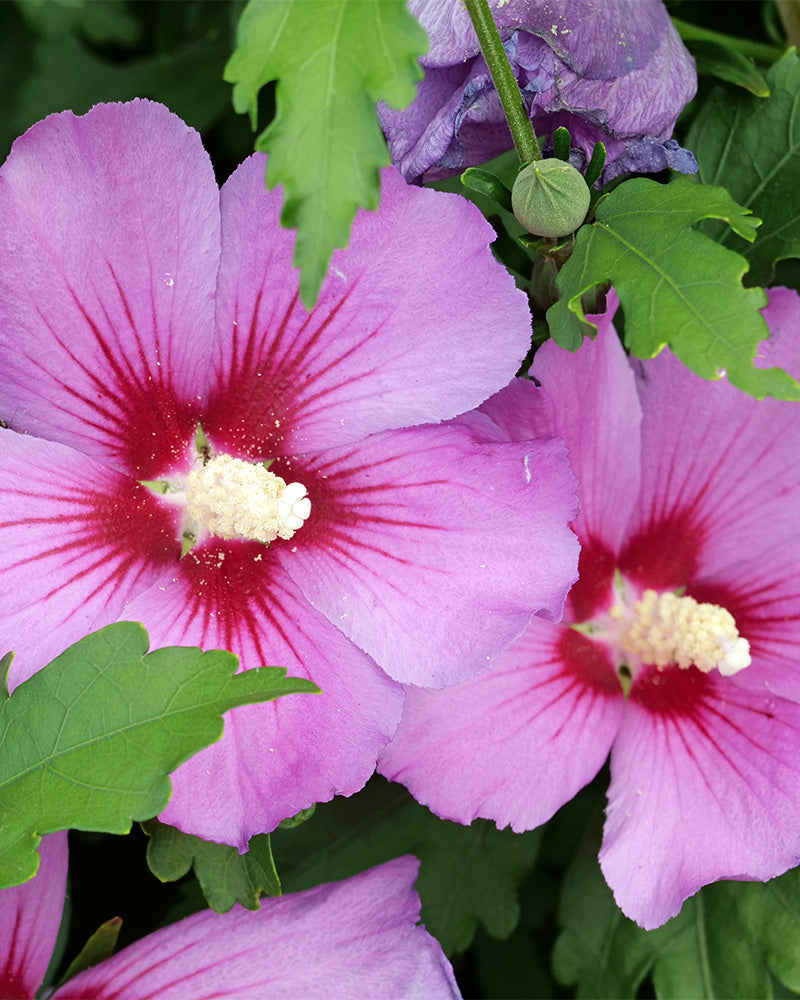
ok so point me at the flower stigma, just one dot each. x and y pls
(232, 498)
(671, 629)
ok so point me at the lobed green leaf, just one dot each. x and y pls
(677, 287)
(225, 876)
(468, 874)
(89, 740)
(333, 60)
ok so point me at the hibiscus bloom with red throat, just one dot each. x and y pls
(192, 449)
(682, 660)
(348, 939)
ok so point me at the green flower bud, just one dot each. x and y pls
(550, 198)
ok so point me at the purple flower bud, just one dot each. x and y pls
(611, 71)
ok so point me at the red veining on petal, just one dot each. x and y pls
(344, 498)
(671, 691)
(664, 555)
(353, 519)
(589, 662)
(129, 402)
(578, 671)
(277, 369)
(692, 709)
(12, 978)
(593, 590)
(234, 594)
(129, 971)
(120, 539)
(765, 615)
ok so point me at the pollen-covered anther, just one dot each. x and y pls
(669, 629)
(232, 498)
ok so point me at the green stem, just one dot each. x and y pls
(759, 51)
(495, 55)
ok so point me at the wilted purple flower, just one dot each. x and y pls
(127, 318)
(352, 939)
(690, 493)
(611, 71)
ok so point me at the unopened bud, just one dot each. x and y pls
(550, 198)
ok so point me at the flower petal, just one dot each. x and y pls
(431, 548)
(721, 471)
(763, 595)
(588, 398)
(351, 939)
(455, 107)
(77, 540)
(30, 915)
(108, 256)
(616, 73)
(517, 742)
(705, 785)
(632, 113)
(392, 340)
(282, 756)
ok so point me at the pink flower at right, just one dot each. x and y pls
(688, 488)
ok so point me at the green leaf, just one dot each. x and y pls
(752, 146)
(69, 74)
(599, 950)
(727, 941)
(98, 948)
(468, 875)
(89, 740)
(225, 876)
(734, 936)
(711, 953)
(101, 21)
(677, 286)
(333, 61)
(726, 63)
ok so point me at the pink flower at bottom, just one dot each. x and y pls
(138, 301)
(342, 941)
(690, 496)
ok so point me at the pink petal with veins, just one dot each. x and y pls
(353, 939)
(108, 258)
(278, 757)
(517, 742)
(420, 546)
(77, 540)
(30, 915)
(705, 784)
(721, 470)
(398, 336)
(588, 398)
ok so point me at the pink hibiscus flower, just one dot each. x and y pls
(690, 493)
(190, 448)
(352, 939)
